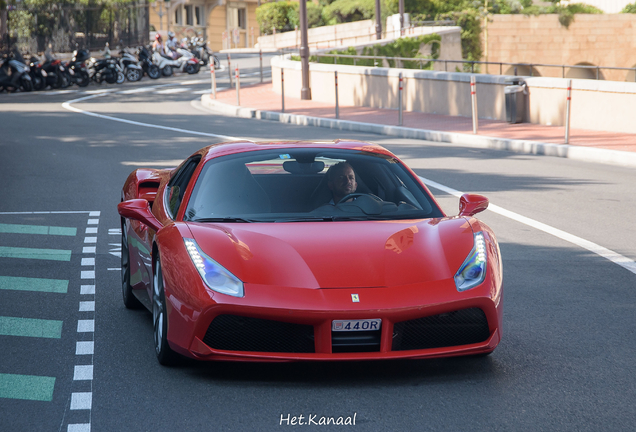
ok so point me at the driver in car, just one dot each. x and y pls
(341, 181)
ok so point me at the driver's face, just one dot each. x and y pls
(344, 183)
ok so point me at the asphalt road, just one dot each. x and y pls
(566, 361)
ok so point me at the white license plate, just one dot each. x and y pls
(356, 325)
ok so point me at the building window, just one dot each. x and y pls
(197, 16)
(242, 18)
(188, 12)
(177, 16)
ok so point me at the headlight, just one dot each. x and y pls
(473, 270)
(215, 276)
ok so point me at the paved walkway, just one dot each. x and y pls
(262, 97)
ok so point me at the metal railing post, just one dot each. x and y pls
(238, 85)
(567, 112)
(282, 89)
(229, 69)
(213, 76)
(473, 99)
(260, 55)
(400, 100)
(337, 103)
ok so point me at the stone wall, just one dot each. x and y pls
(594, 40)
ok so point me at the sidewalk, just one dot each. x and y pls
(596, 146)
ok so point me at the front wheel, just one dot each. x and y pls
(38, 82)
(82, 79)
(167, 71)
(130, 301)
(153, 71)
(120, 77)
(26, 84)
(191, 69)
(133, 75)
(165, 355)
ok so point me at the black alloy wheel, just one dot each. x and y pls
(165, 355)
(130, 301)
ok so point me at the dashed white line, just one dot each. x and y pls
(87, 289)
(88, 274)
(84, 348)
(85, 326)
(81, 401)
(90, 240)
(88, 261)
(87, 306)
(91, 230)
(83, 373)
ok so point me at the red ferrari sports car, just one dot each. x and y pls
(285, 251)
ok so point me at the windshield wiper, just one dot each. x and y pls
(308, 219)
(223, 219)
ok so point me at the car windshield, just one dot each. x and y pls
(307, 184)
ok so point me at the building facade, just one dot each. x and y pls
(224, 24)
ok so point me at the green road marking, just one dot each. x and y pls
(33, 284)
(30, 327)
(27, 387)
(37, 229)
(28, 253)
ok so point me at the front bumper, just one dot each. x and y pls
(405, 308)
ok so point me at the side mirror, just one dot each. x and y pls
(471, 204)
(139, 210)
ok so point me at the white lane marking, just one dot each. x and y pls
(88, 261)
(85, 326)
(608, 254)
(79, 427)
(88, 249)
(90, 240)
(85, 348)
(87, 289)
(88, 274)
(138, 90)
(91, 230)
(81, 400)
(114, 231)
(93, 221)
(87, 306)
(67, 105)
(114, 268)
(172, 91)
(83, 373)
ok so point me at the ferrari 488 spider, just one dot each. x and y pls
(285, 251)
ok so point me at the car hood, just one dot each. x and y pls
(338, 254)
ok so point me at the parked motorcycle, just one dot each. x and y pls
(131, 68)
(190, 63)
(78, 72)
(56, 75)
(165, 63)
(148, 67)
(14, 73)
(38, 75)
(201, 51)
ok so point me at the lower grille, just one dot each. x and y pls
(357, 341)
(237, 333)
(461, 327)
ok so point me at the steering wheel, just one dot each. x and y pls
(357, 194)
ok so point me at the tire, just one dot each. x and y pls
(133, 75)
(66, 79)
(38, 82)
(110, 79)
(191, 69)
(153, 71)
(165, 355)
(57, 83)
(130, 301)
(166, 71)
(26, 85)
(120, 77)
(82, 79)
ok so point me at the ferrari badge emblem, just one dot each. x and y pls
(355, 298)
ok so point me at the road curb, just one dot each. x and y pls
(586, 154)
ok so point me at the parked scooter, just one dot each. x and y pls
(106, 69)
(14, 73)
(56, 76)
(78, 72)
(148, 67)
(190, 63)
(38, 75)
(128, 62)
(165, 63)
(201, 51)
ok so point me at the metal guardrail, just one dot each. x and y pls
(472, 63)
